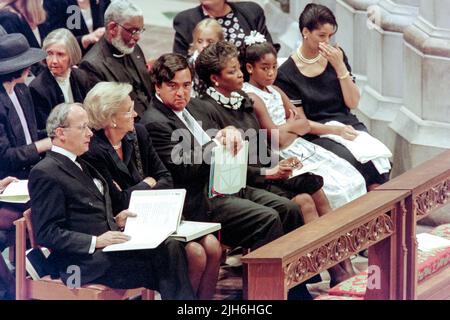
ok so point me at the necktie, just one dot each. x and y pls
(196, 130)
(87, 172)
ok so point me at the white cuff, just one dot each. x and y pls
(93, 243)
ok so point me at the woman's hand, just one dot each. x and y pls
(335, 57)
(150, 181)
(346, 132)
(284, 169)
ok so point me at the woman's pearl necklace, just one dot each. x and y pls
(117, 146)
(305, 60)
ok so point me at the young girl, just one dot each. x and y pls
(206, 32)
(342, 182)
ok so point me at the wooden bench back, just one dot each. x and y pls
(374, 220)
(429, 188)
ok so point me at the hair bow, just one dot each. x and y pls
(254, 37)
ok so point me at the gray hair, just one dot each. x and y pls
(68, 40)
(121, 10)
(104, 100)
(58, 117)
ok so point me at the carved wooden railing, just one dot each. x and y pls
(384, 220)
(374, 220)
(429, 188)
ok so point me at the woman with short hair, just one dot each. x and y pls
(124, 154)
(61, 81)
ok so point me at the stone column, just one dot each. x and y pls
(353, 32)
(422, 126)
(297, 6)
(382, 97)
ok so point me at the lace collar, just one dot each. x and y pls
(233, 102)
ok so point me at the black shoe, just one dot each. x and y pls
(299, 292)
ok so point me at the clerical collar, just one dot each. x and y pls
(115, 52)
(119, 55)
(233, 102)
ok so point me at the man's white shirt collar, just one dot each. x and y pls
(64, 152)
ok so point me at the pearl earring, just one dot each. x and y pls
(114, 125)
(216, 84)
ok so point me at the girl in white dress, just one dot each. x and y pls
(342, 182)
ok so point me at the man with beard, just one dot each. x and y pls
(117, 56)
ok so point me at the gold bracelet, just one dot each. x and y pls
(345, 76)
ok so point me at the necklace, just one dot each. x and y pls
(305, 60)
(117, 146)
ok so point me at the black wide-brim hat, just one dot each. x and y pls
(16, 54)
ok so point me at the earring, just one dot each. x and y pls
(306, 37)
(250, 72)
(216, 84)
(114, 125)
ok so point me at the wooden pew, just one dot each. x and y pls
(429, 188)
(375, 220)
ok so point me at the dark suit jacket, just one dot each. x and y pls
(68, 209)
(179, 154)
(61, 16)
(187, 161)
(251, 17)
(16, 158)
(98, 8)
(47, 94)
(100, 64)
(104, 158)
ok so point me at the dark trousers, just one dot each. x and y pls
(254, 217)
(163, 268)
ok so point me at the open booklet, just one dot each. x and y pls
(158, 217)
(16, 192)
(190, 230)
(228, 173)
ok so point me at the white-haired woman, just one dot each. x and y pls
(123, 153)
(61, 81)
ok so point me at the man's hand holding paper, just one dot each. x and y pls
(231, 138)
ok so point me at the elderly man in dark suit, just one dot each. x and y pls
(117, 56)
(72, 216)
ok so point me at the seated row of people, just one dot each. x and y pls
(128, 159)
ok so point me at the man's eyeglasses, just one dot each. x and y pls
(132, 32)
(82, 127)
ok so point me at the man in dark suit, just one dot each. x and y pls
(72, 216)
(250, 218)
(117, 56)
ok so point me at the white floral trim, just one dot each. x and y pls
(233, 102)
